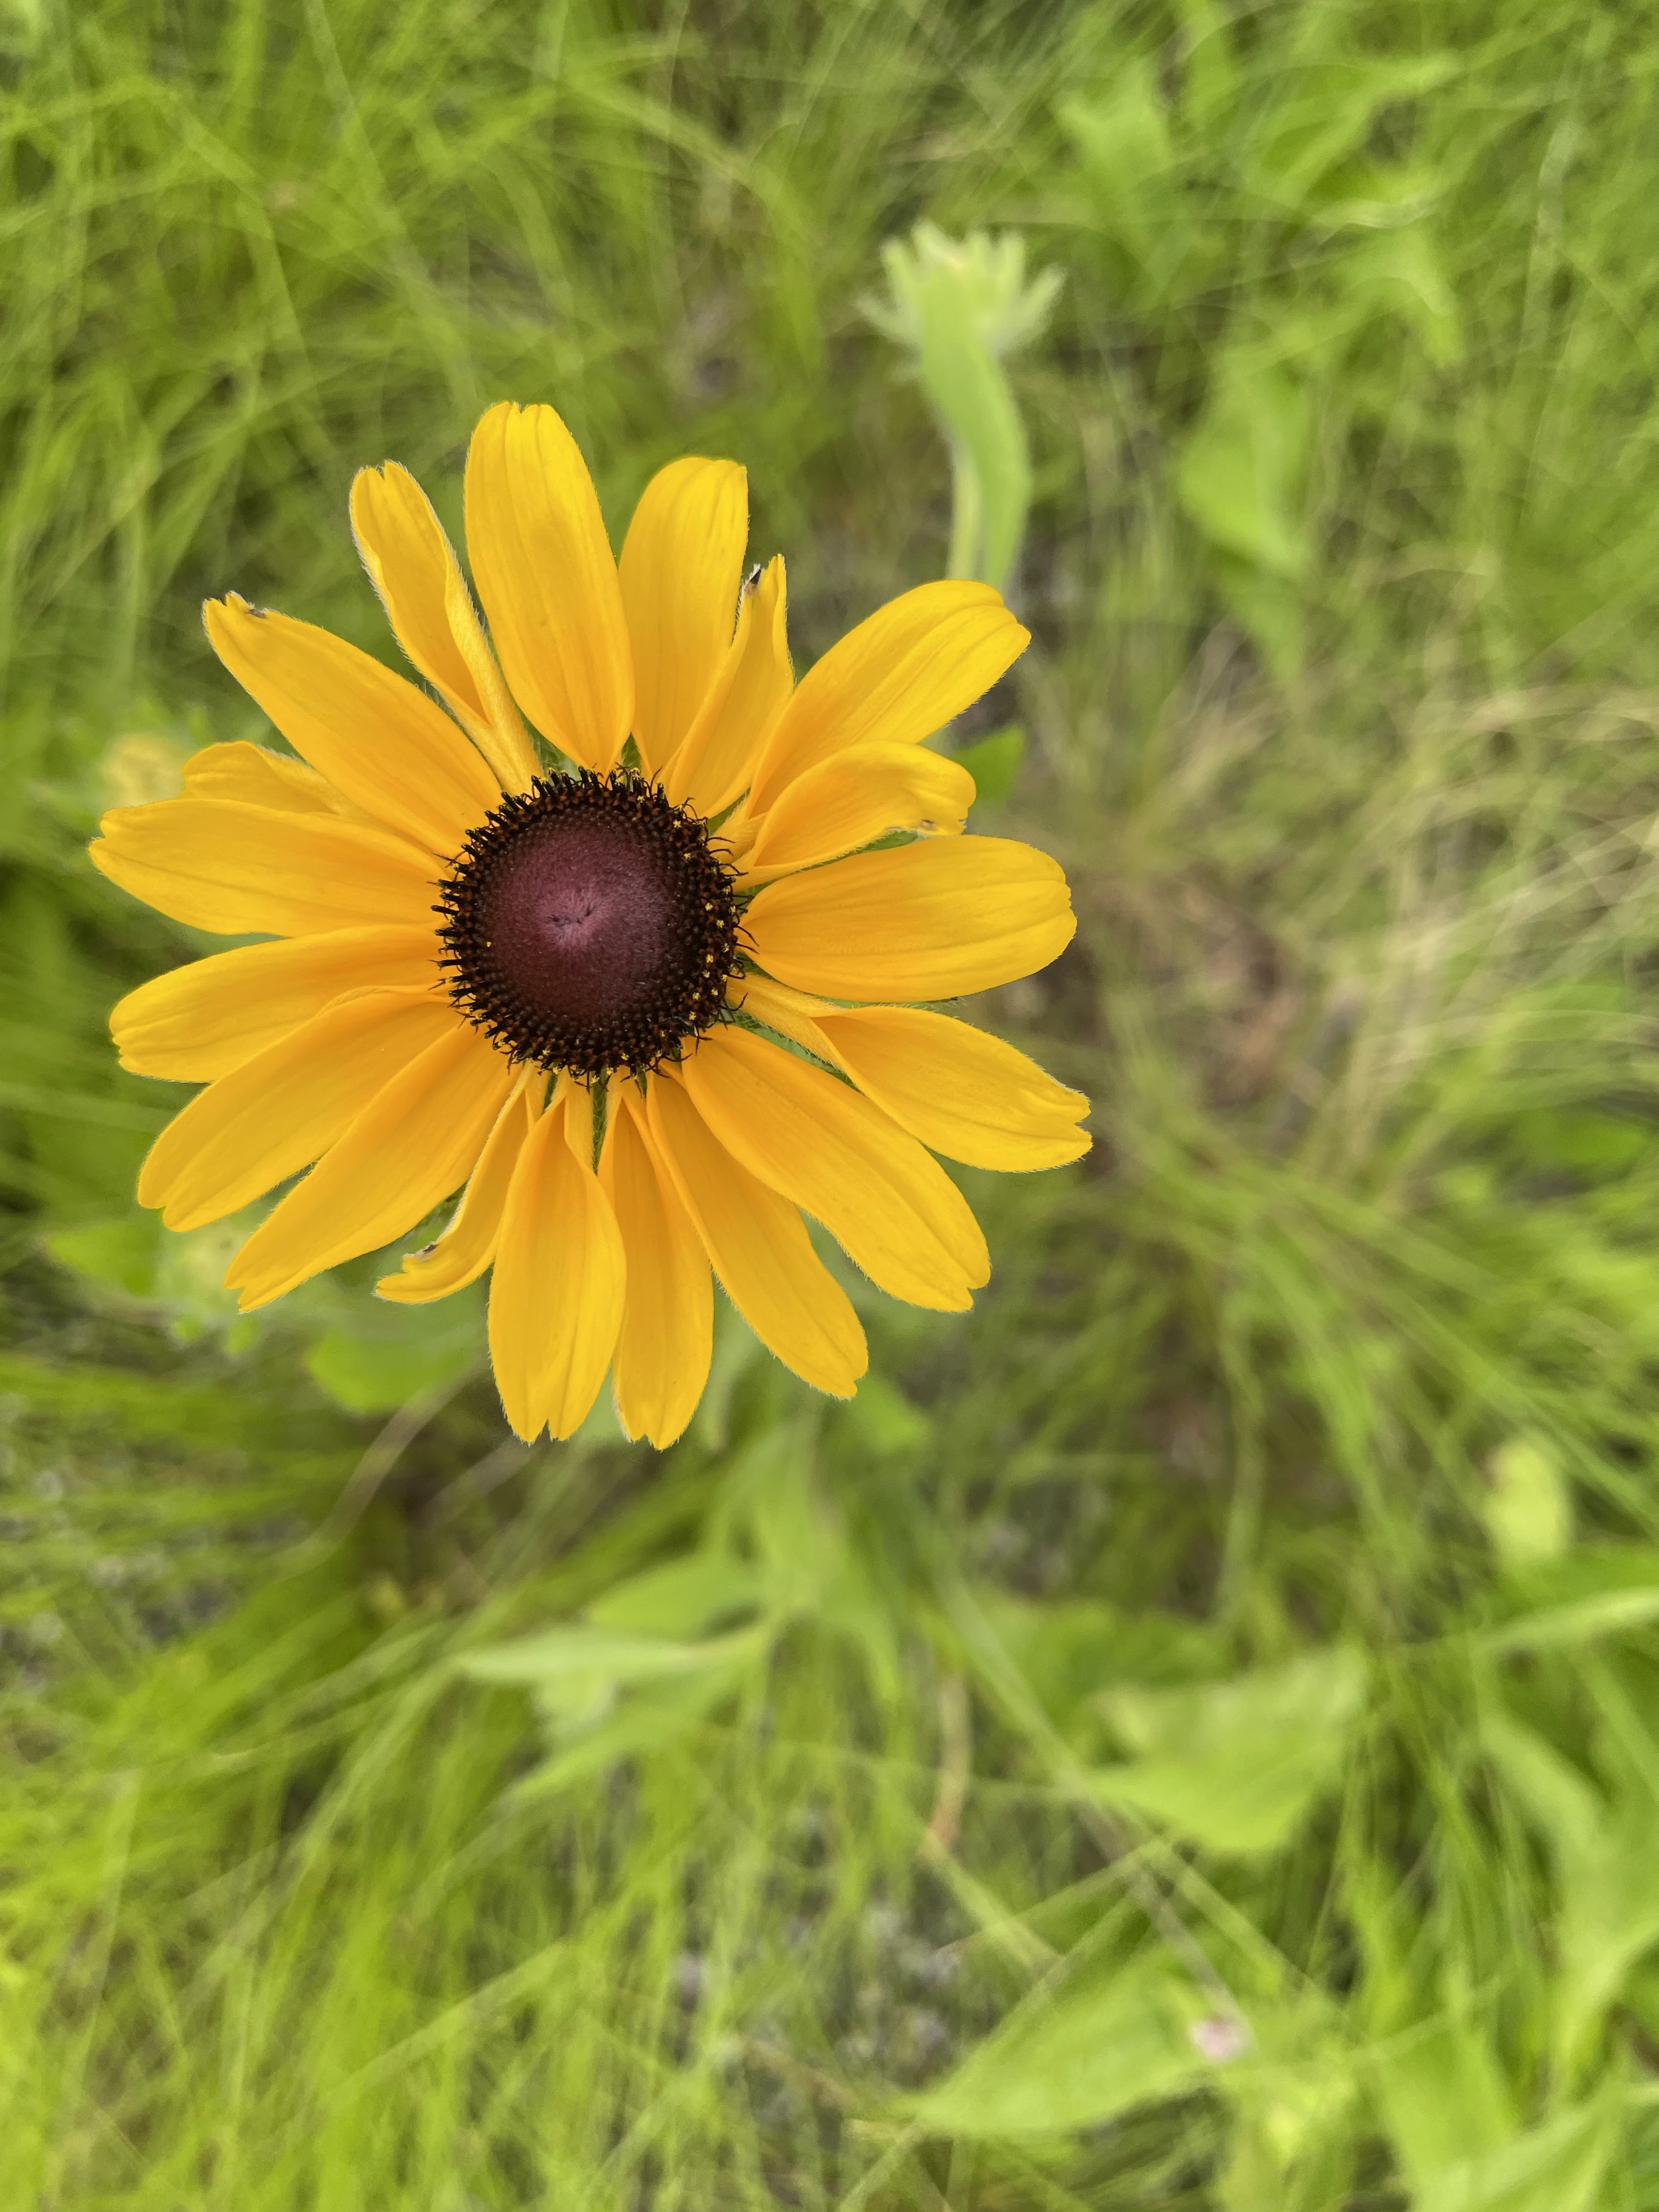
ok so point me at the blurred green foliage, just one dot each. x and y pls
(1183, 1736)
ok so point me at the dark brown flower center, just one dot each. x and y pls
(590, 925)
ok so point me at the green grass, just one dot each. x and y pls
(1248, 1621)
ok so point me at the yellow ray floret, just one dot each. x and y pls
(279, 1111)
(759, 1246)
(667, 1333)
(197, 1023)
(241, 871)
(413, 567)
(542, 565)
(555, 1297)
(889, 1205)
(468, 1245)
(681, 565)
(900, 676)
(852, 800)
(921, 922)
(387, 748)
(409, 1147)
(255, 776)
(714, 762)
(957, 1090)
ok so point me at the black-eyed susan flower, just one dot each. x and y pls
(644, 995)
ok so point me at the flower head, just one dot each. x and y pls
(642, 994)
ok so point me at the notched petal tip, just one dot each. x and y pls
(252, 1296)
(229, 604)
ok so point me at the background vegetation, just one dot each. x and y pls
(1183, 1737)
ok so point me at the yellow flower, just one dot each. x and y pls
(639, 1045)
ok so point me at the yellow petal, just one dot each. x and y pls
(759, 1248)
(258, 777)
(955, 1089)
(412, 565)
(555, 1297)
(931, 921)
(200, 1022)
(891, 1206)
(416, 1140)
(385, 746)
(718, 757)
(681, 566)
(251, 871)
(577, 1101)
(544, 573)
(468, 1245)
(855, 797)
(280, 1110)
(792, 1013)
(667, 1329)
(902, 674)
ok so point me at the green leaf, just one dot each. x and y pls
(1607, 1874)
(993, 763)
(1094, 2049)
(1296, 2110)
(1234, 1765)
(1325, 112)
(1240, 475)
(1401, 271)
(376, 1356)
(579, 1651)
(1443, 2095)
(683, 1598)
(658, 1715)
(190, 1275)
(1551, 1791)
(1068, 1649)
(120, 1252)
(1580, 1141)
(1269, 607)
(1121, 138)
(881, 1417)
(1596, 1591)
(1557, 2167)
(1609, 1918)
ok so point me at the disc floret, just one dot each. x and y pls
(591, 926)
